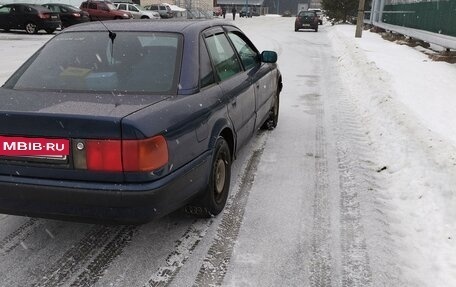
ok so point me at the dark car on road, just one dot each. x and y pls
(131, 120)
(69, 15)
(245, 12)
(28, 17)
(306, 20)
(104, 10)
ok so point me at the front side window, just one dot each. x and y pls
(134, 9)
(137, 62)
(249, 56)
(225, 61)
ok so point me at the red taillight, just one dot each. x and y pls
(44, 15)
(76, 14)
(144, 155)
(126, 155)
(104, 155)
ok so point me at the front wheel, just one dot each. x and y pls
(273, 119)
(50, 31)
(30, 28)
(214, 198)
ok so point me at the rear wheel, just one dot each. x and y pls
(30, 28)
(214, 197)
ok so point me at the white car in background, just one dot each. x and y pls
(319, 14)
(137, 11)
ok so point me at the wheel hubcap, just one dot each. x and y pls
(30, 28)
(220, 172)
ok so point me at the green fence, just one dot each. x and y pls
(438, 17)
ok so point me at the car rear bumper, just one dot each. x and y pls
(101, 202)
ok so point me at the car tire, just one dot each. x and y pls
(145, 17)
(273, 118)
(296, 29)
(213, 200)
(316, 29)
(31, 28)
(50, 31)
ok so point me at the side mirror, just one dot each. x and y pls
(268, 57)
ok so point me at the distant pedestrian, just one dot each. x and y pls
(223, 12)
(234, 12)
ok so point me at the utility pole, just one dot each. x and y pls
(360, 20)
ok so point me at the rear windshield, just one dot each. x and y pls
(307, 13)
(136, 62)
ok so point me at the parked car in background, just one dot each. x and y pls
(162, 9)
(245, 12)
(306, 20)
(319, 14)
(137, 11)
(69, 15)
(146, 119)
(286, 13)
(104, 10)
(28, 17)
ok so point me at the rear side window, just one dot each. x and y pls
(223, 56)
(137, 62)
(122, 7)
(92, 5)
(206, 72)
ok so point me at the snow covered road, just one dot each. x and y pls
(353, 188)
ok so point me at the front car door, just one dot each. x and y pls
(260, 73)
(5, 17)
(235, 83)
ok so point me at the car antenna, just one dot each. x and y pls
(112, 36)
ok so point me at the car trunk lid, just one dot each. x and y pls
(70, 117)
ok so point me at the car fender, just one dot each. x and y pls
(223, 127)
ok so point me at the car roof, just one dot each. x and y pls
(141, 25)
(34, 6)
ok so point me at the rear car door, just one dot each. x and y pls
(235, 83)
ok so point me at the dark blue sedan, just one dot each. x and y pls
(130, 121)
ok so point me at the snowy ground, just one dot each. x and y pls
(355, 187)
(406, 102)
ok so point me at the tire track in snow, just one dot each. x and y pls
(215, 264)
(17, 237)
(76, 257)
(184, 248)
(321, 260)
(98, 265)
(354, 182)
